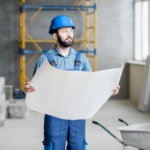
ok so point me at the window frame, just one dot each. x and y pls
(141, 40)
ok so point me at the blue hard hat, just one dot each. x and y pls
(60, 22)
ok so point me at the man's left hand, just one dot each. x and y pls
(116, 90)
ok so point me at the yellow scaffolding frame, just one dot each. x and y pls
(87, 38)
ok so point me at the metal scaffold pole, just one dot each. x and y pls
(95, 36)
(22, 45)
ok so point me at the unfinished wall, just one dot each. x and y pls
(9, 45)
(115, 37)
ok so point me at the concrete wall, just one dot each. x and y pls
(9, 45)
(135, 82)
(115, 37)
(114, 32)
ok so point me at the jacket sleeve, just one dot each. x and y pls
(39, 63)
(86, 64)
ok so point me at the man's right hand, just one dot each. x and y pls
(28, 88)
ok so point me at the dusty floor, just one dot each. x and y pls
(27, 134)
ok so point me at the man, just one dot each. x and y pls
(57, 131)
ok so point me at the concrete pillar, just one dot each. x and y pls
(144, 99)
(2, 101)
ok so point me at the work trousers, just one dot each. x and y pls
(58, 131)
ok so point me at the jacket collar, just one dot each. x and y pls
(56, 51)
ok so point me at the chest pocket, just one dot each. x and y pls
(77, 61)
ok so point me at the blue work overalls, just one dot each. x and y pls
(57, 131)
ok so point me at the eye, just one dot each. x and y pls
(71, 30)
(64, 31)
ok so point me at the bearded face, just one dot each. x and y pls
(65, 37)
(65, 43)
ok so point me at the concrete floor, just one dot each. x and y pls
(26, 134)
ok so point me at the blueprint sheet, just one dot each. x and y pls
(71, 94)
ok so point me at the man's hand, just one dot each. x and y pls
(28, 88)
(116, 90)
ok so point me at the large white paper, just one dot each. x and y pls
(71, 94)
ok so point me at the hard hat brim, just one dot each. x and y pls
(51, 31)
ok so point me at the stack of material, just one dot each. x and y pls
(9, 93)
(17, 109)
(2, 101)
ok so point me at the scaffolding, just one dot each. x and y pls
(86, 43)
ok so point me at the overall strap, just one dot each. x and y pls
(50, 59)
(77, 61)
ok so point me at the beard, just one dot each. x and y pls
(65, 43)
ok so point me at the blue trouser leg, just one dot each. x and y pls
(58, 131)
(76, 135)
(55, 133)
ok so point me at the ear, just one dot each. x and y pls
(55, 36)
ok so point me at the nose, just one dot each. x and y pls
(68, 33)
